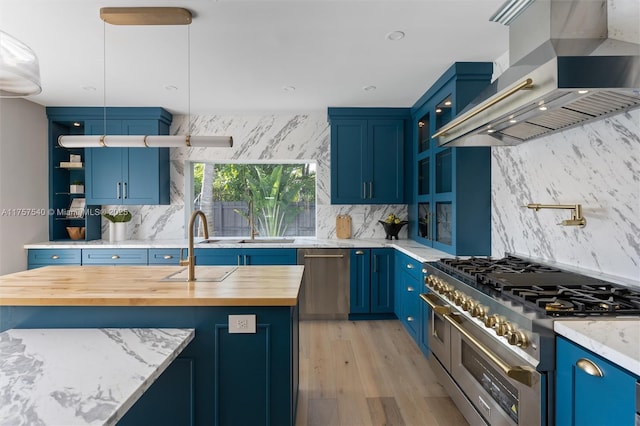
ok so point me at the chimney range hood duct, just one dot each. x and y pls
(573, 74)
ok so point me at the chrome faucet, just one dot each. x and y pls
(190, 261)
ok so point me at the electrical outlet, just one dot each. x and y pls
(242, 323)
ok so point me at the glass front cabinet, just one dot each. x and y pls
(451, 210)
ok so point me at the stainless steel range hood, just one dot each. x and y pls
(565, 72)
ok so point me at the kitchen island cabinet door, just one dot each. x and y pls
(585, 399)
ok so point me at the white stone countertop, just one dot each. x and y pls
(615, 339)
(410, 247)
(82, 376)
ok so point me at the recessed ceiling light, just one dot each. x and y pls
(438, 110)
(395, 35)
(369, 88)
(542, 108)
(491, 130)
(582, 92)
(89, 88)
(76, 124)
(170, 87)
(513, 120)
(447, 103)
(289, 88)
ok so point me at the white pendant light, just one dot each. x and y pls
(147, 16)
(19, 69)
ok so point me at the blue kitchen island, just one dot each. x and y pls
(220, 378)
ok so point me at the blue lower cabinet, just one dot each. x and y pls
(243, 257)
(219, 378)
(371, 284)
(408, 275)
(114, 256)
(165, 256)
(37, 258)
(425, 327)
(591, 390)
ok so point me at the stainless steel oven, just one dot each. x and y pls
(489, 383)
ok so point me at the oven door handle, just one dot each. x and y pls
(522, 374)
(431, 300)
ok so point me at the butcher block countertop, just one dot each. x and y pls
(144, 286)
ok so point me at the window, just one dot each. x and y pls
(283, 198)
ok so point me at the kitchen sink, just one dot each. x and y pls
(202, 273)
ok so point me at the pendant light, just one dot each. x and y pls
(19, 69)
(147, 16)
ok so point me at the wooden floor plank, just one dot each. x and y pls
(385, 412)
(361, 373)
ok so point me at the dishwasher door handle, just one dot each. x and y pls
(323, 256)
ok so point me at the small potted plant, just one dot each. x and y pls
(76, 187)
(392, 225)
(118, 225)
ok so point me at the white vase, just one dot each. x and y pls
(117, 231)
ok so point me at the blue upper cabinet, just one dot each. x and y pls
(130, 176)
(450, 209)
(367, 155)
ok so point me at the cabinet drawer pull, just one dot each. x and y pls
(589, 367)
(364, 190)
(410, 319)
(124, 190)
(55, 257)
(409, 288)
(359, 252)
(409, 266)
(168, 256)
(370, 189)
(118, 190)
(115, 256)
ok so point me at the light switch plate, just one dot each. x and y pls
(242, 323)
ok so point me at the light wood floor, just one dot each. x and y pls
(361, 373)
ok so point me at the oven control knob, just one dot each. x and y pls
(518, 338)
(491, 321)
(479, 311)
(504, 329)
(469, 304)
(460, 300)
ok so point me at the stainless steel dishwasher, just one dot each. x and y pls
(324, 293)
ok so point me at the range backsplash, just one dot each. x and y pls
(259, 137)
(596, 165)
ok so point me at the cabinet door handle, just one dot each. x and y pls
(364, 190)
(410, 319)
(115, 256)
(370, 189)
(409, 288)
(118, 190)
(409, 266)
(168, 256)
(589, 367)
(239, 260)
(359, 252)
(375, 263)
(55, 257)
(124, 190)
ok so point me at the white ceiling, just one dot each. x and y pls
(243, 53)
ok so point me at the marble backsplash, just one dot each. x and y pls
(596, 165)
(263, 138)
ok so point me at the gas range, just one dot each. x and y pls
(491, 332)
(517, 300)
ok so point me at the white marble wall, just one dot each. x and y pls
(258, 138)
(596, 165)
